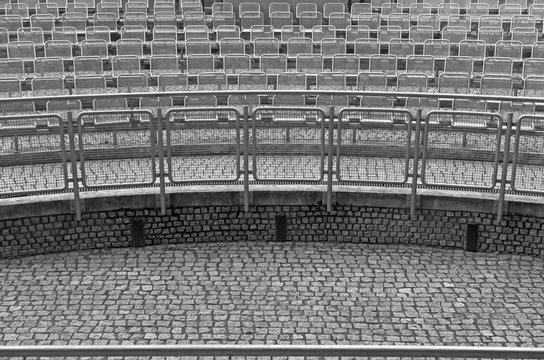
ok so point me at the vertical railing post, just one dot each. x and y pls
(330, 159)
(415, 168)
(505, 162)
(246, 158)
(73, 163)
(160, 143)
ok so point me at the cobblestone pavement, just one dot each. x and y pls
(257, 292)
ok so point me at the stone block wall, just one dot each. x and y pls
(32, 235)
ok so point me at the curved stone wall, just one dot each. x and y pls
(46, 224)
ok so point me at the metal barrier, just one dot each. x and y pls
(374, 146)
(117, 149)
(271, 351)
(288, 144)
(33, 155)
(203, 145)
(461, 150)
(356, 146)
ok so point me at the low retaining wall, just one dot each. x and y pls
(42, 225)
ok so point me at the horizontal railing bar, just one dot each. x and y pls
(271, 92)
(272, 350)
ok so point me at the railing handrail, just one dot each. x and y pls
(272, 350)
(133, 95)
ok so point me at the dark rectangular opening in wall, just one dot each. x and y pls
(281, 227)
(471, 240)
(138, 236)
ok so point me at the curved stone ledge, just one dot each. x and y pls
(46, 224)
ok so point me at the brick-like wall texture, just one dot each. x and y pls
(62, 233)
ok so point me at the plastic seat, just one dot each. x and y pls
(454, 83)
(423, 64)
(251, 18)
(499, 85)
(389, 8)
(21, 50)
(384, 63)
(372, 21)
(490, 34)
(68, 33)
(511, 49)
(291, 81)
(372, 81)
(526, 35)
(47, 9)
(107, 7)
(333, 46)
(252, 81)
(273, 63)
(533, 67)
(45, 67)
(212, 81)
(133, 32)
(263, 46)
(522, 21)
(236, 63)
(63, 107)
(48, 86)
(239, 101)
(492, 4)
(474, 48)
(198, 63)
(46, 22)
(476, 10)
(454, 34)
(134, 19)
(304, 7)
(348, 64)
(90, 84)
(291, 31)
(386, 33)
(248, 6)
(320, 32)
(164, 103)
(331, 81)
(402, 21)
(222, 6)
(17, 9)
(412, 82)
(197, 47)
(309, 63)
(420, 33)
(196, 32)
(446, 10)
(309, 19)
(279, 19)
(329, 8)
(76, 7)
(227, 31)
(438, 48)
(360, 8)
(537, 50)
(337, 102)
(125, 64)
(58, 48)
(261, 31)
(297, 46)
(19, 108)
(136, 6)
(164, 32)
(200, 101)
(490, 21)
(354, 32)
(533, 86)
(460, 20)
(164, 47)
(130, 47)
(366, 47)
(190, 6)
(163, 64)
(418, 9)
(34, 35)
(287, 100)
(11, 22)
(98, 33)
(165, 18)
(110, 104)
(76, 20)
(172, 81)
(401, 48)
(459, 64)
(377, 101)
(108, 20)
(88, 65)
(10, 87)
(509, 10)
(463, 4)
(194, 18)
(340, 20)
(222, 18)
(231, 46)
(499, 66)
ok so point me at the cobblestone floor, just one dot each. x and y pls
(311, 293)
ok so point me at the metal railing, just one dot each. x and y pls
(97, 150)
(270, 351)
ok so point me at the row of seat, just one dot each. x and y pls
(489, 84)
(327, 48)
